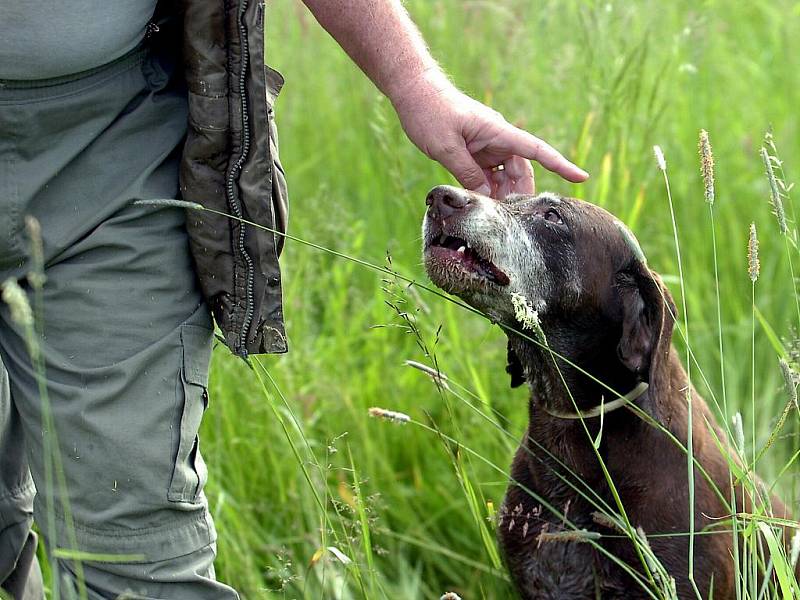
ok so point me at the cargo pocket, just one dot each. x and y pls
(189, 473)
(280, 194)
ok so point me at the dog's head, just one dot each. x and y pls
(572, 262)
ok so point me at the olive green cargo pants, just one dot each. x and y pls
(125, 341)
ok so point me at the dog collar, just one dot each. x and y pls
(604, 407)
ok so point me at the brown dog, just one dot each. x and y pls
(579, 275)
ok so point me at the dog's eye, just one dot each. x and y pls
(552, 216)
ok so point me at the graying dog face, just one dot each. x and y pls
(547, 249)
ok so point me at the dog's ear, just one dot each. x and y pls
(648, 314)
(514, 368)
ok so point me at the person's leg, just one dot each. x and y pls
(125, 405)
(19, 571)
(125, 342)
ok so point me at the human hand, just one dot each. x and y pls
(471, 140)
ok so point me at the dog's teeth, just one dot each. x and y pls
(461, 250)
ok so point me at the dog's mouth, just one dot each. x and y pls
(450, 258)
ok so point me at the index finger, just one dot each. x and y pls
(522, 143)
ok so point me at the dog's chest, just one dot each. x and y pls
(548, 561)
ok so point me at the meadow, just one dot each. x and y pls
(312, 497)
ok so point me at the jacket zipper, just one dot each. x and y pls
(233, 173)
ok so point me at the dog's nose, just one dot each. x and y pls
(445, 200)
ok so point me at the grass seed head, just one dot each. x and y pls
(607, 521)
(774, 191)
(170, 202)
(525, 313)
(707, 165)
(389, 415)
(439, 378)
(753, 264)
(16, 299)
(577, 535)
(36, 276)
(660, 160)
(790, 377)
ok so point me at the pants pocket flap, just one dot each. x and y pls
(196, 354)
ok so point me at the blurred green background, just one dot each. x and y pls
(601, 81)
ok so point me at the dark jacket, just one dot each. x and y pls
(230, 164)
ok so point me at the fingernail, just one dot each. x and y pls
(483, 190)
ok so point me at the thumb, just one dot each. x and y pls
(464, 168)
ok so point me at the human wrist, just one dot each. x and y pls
(404, 87)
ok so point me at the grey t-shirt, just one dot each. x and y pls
(40, 39)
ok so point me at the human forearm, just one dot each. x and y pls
(380, 38)
(474, 142)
